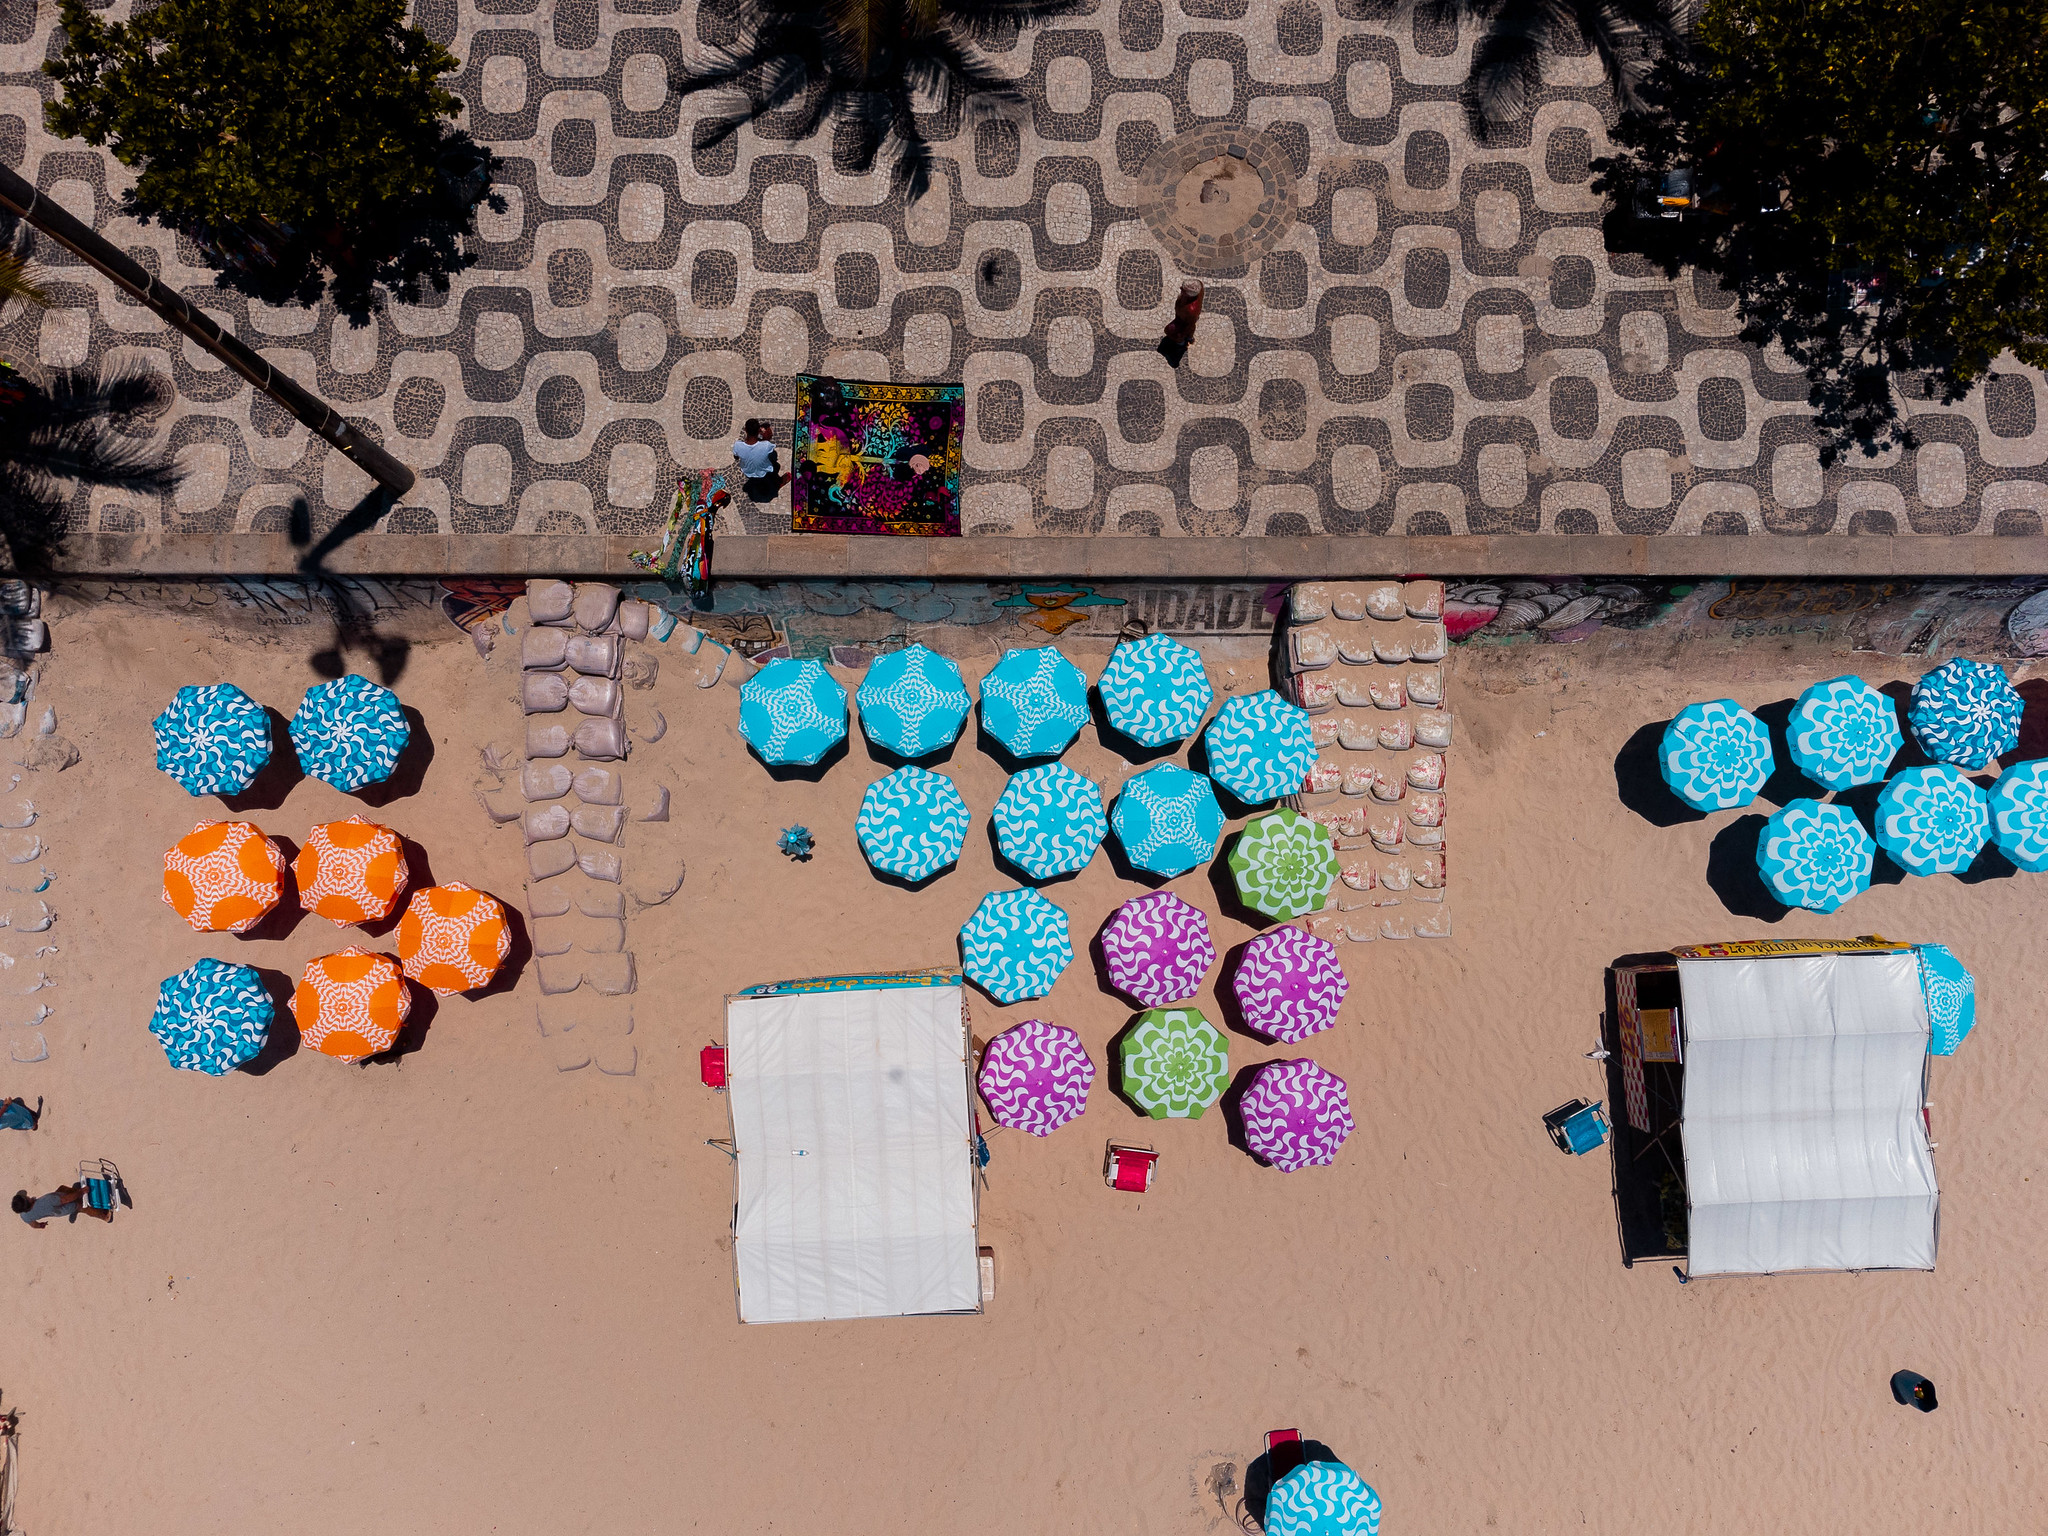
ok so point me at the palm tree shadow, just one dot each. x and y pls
(77, 428)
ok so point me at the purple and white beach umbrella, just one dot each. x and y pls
(1296, 1114)
(1157, 949)
(1035, 1076)
(1289, 984)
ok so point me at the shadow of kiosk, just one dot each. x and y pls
(1646, 1089)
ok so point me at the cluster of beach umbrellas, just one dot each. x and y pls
(1049, 823)
(1173, 1063)
(1844, 734)
(227, 876)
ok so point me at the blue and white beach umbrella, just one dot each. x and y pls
(792, 712)
(1260, 747)
(1154, 690)
(2019, 814)
(1951, 995)
(1843, 733)
(1015, 945)
(912, 702)
(912, 823)
(1167, 820)
(1933, 821)
(1322, 1498)
(1815, 856)
(212, 1016)
(1049, 821)
(213, 740)
(349, 732)
(1034, 702)
(1715, 756)
(1965, 712)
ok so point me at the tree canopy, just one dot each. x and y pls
(305, 144)
(1870, 176)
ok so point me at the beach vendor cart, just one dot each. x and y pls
(853, 1148)
(1795, 1075)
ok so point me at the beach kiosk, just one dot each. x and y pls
(853, 1148)
(1801, 1073)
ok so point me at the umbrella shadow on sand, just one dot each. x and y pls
(275, 779)
(1639, 780)
(1268, 1467)
(409, 771)
(283, 1042)
(1231, 1107)
(1228, 902)
(1732, 873)
(1786, 782)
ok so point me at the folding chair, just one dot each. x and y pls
(104, 1190)
(711, 1067)
(1129, 1168)
(1578, 1127)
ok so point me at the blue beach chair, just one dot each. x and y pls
(1577, 1127)
(101, 1181)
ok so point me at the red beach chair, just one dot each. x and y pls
(711, 1067)
(1129, 1168)
(1283, 1451)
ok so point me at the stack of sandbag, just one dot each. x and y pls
(1366, 660)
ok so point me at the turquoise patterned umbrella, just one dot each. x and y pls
(1034, 702)
(1260, 747)
(1049, 821)
(1322, 1498)
(1015, 945)
(1951, 995)
(1154, 690)
(792, 712)
(1167, 820)
(1933, 821)
(1815, 856)
(912, 702)
(349, 732)
(213, 740)
(1965, 712)
(2019, 814)
(1716, 756)
(211, 1017)
(1843, 733)
(912, 823)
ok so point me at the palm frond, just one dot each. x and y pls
(19, 280)
(1507, 66)
(862, 24)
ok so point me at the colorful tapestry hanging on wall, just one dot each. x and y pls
(877, 458)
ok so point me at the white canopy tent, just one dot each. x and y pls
(853, 1144)
(1804, 1128)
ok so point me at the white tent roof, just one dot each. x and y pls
(1805, 1146)
(856, 1181)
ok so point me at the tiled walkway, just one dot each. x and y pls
(1438, 344)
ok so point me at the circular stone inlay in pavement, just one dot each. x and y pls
(1218, 198)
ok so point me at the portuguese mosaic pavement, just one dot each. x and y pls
(1404, 331)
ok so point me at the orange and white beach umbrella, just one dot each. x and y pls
(453, 939)
(350, 871)
(223, 876)
(351, 1004)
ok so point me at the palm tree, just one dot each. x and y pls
(18, 280)
(79, 429)
(1507, 63)
(865, 63)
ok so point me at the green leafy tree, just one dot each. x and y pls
(306, 145)
(1873, 186)
(865, 65)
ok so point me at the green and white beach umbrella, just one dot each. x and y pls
(1175, 1063)
(1284, 864)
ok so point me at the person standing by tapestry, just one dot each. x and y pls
(758, 461)
(1180, 331)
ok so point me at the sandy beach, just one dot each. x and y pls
(470, 1291)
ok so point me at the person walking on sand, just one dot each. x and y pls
(758, 462)
(67, 1200)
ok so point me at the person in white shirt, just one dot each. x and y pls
(755, 453)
